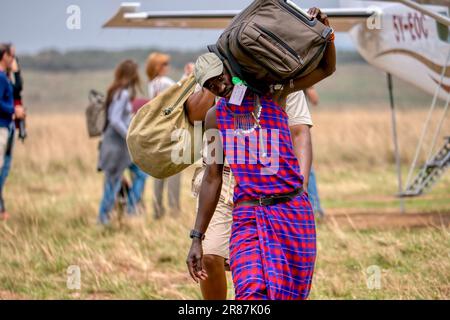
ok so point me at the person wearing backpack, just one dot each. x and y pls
(114, 158)
(157, 69)
(273, 240)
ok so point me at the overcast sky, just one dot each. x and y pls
(36, 25)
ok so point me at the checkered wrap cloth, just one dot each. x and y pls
(272, 248)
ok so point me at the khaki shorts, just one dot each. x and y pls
(4, 132)
(217, 237)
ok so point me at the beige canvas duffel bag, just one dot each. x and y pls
(160, 137)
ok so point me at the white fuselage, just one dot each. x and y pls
(407, 44)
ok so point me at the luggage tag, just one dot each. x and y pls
(239, 90)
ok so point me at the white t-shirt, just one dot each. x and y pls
(158, 85)
(297, 109)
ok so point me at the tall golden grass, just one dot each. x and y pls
(361, 138)
(54, 191)
(53, 195)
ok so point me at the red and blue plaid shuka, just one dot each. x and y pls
(272, 248)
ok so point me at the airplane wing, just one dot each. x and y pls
(128, 16)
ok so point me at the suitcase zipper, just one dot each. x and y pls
(280, 41)
(244, 49)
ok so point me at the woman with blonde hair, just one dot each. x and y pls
(114, 156)
(157, 70)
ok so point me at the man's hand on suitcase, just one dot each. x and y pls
(316, 13)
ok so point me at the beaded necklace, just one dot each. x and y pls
(245, 123)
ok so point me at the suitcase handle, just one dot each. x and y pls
(299, 12)
(303, 12)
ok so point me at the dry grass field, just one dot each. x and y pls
(54, 191)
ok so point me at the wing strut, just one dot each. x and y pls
(436, 165)
(395, 140)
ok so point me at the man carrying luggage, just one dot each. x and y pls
(272, 246)
(217, 237)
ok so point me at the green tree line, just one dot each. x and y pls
(77, 60)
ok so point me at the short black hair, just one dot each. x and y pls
(5, 48)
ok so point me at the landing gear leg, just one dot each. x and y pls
(395, 140)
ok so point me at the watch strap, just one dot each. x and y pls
(197, 234)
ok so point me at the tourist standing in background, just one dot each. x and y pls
(188, 70)
(15, 76)
(114, 156)
(7, 114)
(313, 98)
(157, 71)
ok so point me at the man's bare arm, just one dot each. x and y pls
(301, 138)
(208, 199)
(198, 104)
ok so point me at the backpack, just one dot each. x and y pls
(96, 114)
(161, 129)
(272, 42)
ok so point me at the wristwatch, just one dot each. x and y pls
(196, 234)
